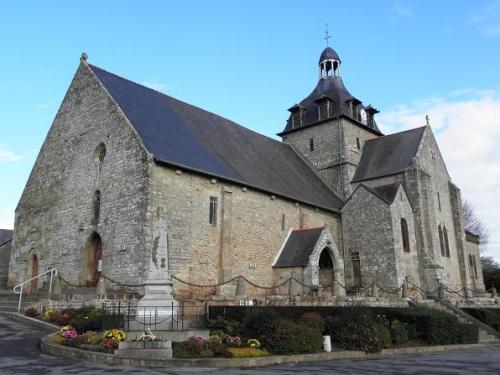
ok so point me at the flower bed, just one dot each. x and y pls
(217, 346)
(101, 342)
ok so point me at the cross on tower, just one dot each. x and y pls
(327, 35)
(427, 119)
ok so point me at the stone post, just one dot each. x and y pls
(101, 288)
(404, 290)
(494, 292)
(158, 303)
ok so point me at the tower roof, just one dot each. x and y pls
(329, 54)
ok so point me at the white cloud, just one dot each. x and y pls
(6, 155)
(466, 124)
(403, 9)
(7, 218)
(487, 19)
(158, 86)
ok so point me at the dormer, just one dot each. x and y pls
(297, 115)
(371, 112)
(325, 106)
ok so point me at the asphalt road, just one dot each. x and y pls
(19, 354)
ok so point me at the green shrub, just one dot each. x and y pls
(358, 336)
(87, 320)
(313, 320)
(385, 338)
(399, 333)
(301, 338)
(219, 324)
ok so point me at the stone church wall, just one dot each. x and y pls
(54, 218)
(368, 229)
(4, 263)
(434, 180)
(407, 263)
(250, 230)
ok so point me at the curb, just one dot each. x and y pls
(62, 351)
(31, 321)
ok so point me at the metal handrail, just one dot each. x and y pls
(18, 289)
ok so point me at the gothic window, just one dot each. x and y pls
(358, 144)
(472, 266)
(446, 243)
(439, 201)
(96, 206)
(404, 233)
(283, 222)
(100, 153)
(441, 241)
(311, 144)
(212, 218)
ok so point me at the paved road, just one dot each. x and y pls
(19, 354)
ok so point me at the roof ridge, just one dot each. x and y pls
(307, 229)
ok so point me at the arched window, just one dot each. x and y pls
(441, 241)
(404, 234)
(446, 243)
(96, 206)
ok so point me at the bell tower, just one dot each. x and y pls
(330, 126)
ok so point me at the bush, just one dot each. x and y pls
(384, 335)
(358, 336)
(193, 347)
(302, 339)
(61, 318)
(399, 333)
(31, 312)
(91, 321)
(248, 352)
(228, 327)
(313, 320)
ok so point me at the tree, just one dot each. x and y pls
(473, 224)
(491, 272)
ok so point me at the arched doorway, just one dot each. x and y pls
(326, 269)
(34, 273)
(92, 260)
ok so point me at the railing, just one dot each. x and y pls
(169, 317)
(18, 289)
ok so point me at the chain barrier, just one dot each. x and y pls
(122, 284)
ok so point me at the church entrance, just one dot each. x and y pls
(34, 273)
(326, 270)
(92, 260)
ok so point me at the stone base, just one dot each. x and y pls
(144, 349)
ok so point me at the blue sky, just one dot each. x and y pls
(250, 61)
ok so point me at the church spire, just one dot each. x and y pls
(329, 61)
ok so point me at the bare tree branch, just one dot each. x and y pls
(473, 224)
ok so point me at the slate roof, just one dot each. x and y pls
(472, 237)
(182, 135)
(385, 192)
(388, 155)
(5, 236)
(329, 54)
(298, 248)
(333, 88)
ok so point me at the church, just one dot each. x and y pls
(336, 205)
